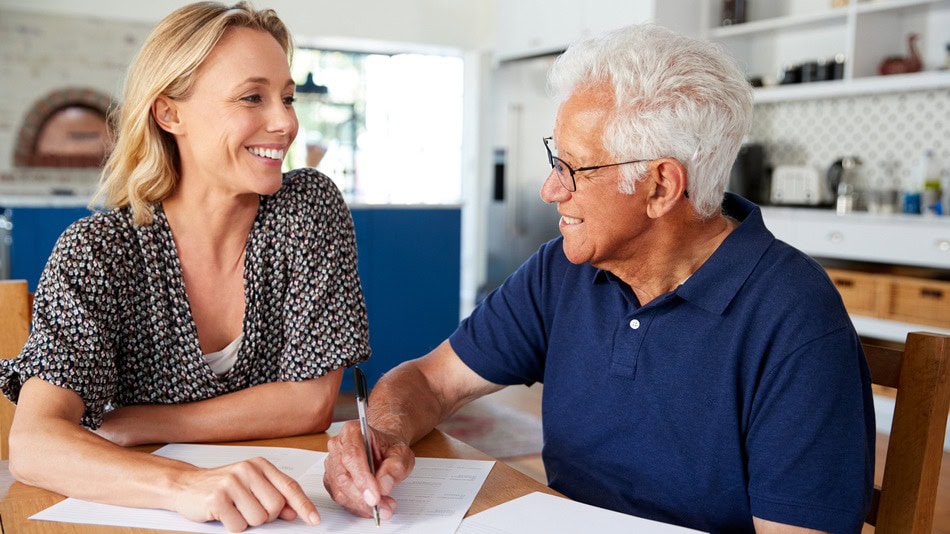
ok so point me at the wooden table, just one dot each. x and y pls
(20, 501)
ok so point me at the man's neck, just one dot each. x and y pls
(676, 250)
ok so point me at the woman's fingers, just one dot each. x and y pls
(243, 494)
(291, 492)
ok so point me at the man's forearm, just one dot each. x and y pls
(404, 405)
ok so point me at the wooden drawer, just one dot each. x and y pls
(921, 301)
(862, 293)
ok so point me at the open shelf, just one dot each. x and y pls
(778, 23)
(917, 81)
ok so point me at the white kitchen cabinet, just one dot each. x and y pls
(865, 32)
(892, 240)
(529, 28)
(912, 240)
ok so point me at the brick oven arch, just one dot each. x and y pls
(24, 153)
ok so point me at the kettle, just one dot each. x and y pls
(842, 178)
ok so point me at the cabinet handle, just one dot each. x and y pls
(836, 237)
(931, 293)
(843, 282)
(943, 245)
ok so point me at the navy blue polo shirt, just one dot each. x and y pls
(743, 392)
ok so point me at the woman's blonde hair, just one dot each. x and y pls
(144, 165)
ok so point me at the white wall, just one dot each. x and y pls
(463, 24)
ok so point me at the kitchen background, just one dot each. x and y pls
(889, 132)
(491, 111)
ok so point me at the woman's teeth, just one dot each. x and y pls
(266, 152)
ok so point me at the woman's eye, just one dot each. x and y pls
(289, 100)
(253, 99)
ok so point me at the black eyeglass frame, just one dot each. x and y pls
(573, 185)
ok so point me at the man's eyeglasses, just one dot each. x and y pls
(565, 174)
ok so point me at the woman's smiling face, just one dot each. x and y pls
(238, 122)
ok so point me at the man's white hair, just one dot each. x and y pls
(674, 96)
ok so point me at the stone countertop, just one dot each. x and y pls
(73, 201)
(43, 201)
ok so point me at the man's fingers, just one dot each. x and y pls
(353, 458)
(341, 488)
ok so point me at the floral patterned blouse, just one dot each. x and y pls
(112, 322)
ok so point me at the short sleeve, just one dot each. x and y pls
(505, 338)
(325, 323)
(71, 344)
(811, 453)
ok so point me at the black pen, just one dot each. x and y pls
(361, 401)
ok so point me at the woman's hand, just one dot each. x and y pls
(347, 476)
(243, 494)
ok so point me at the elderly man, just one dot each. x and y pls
(696, 370)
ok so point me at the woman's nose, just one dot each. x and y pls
(283, 119)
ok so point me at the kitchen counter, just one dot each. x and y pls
(829, 214)
(72, 201)
(44, 201)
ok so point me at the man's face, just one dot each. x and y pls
(600, 225)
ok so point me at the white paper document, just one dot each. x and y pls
(433, 499)
(540, 513)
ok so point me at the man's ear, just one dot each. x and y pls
(668, 186)
(165, 113)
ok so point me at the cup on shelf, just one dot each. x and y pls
(791, 74)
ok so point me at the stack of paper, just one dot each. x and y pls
(433, 499)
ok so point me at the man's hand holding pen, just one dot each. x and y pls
(349, 479)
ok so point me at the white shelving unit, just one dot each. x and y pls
(864, 31)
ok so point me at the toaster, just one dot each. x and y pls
(799, 185)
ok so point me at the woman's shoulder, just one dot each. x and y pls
(308, 187)
(99, 245)
(104, 229)
(307, 198)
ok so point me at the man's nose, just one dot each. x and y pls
(552, 190)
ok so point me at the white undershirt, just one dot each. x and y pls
(222, 361)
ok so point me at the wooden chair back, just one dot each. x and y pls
(904, 502)
(15, 311)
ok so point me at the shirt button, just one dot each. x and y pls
(634, 324)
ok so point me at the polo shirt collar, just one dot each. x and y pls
(716, 283)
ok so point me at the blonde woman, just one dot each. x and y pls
(217, 300)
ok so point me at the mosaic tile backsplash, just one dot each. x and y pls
(888, 132)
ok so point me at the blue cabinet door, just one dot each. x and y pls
(409, 265)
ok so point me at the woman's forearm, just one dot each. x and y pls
(44, 435)
(270, 410)
(49, 449)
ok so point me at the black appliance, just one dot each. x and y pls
(750, 177)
